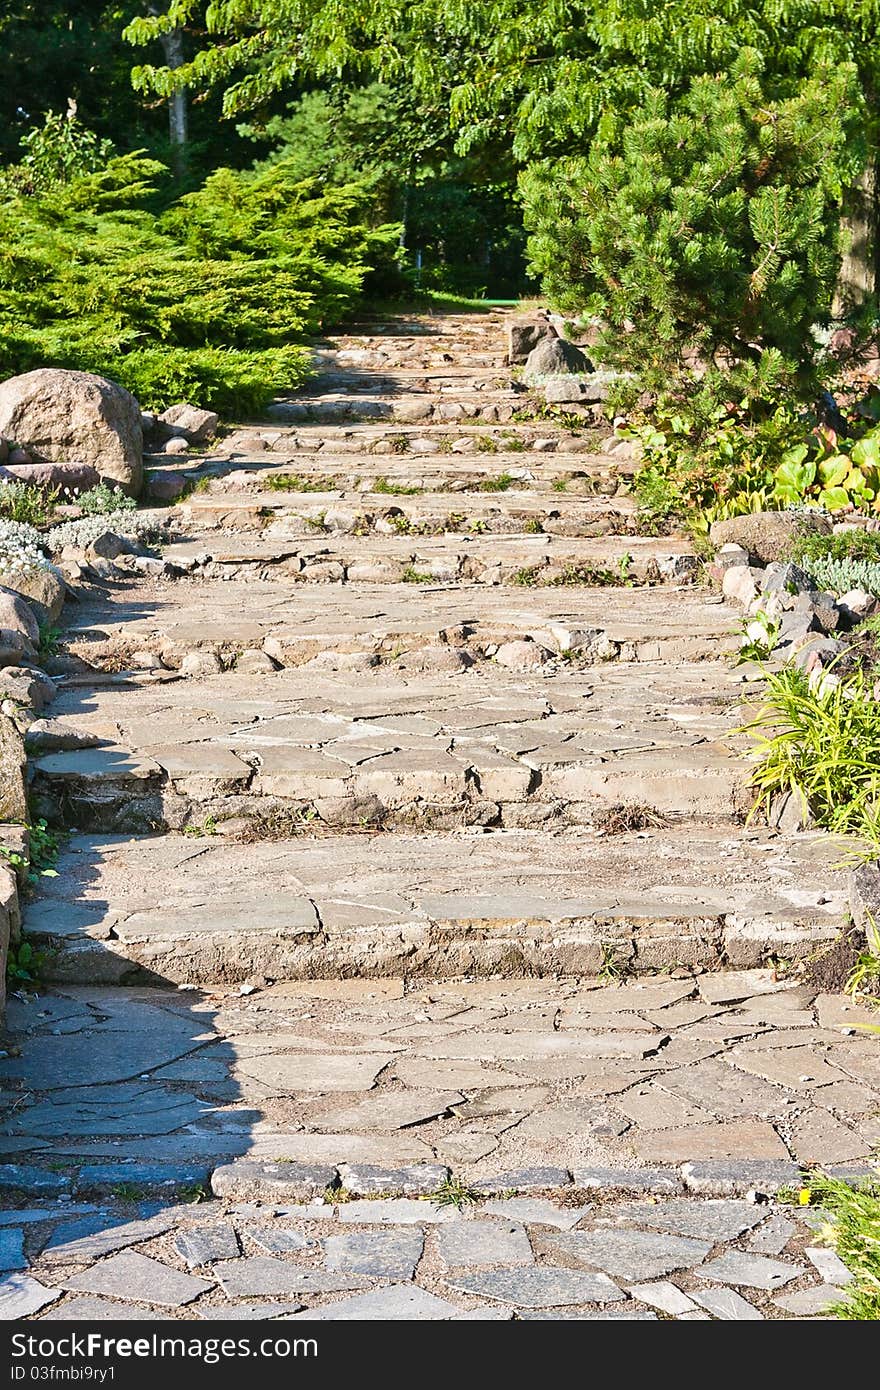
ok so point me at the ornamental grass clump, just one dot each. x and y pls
(820, 741)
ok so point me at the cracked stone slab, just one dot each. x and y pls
(264, 1276)
(663, 1296)
(385, 1254)
(94, 1236)
(739, 1139)
(635, 1256)
(21, 1296)
(276, 1240)
(396, 1110)
(397, 1211)
(727, 1305)
(290, 1073)
(812, 1302)
(684, 1216)
(539, 1287)
(361, 1179)
(468, 1244)
(139, 1279)
(91, 1308)
(398, 1303)
(750, 1271)
(246, 1180)
(536, 1211)
(204, 1246)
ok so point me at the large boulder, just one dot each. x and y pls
(525, 333)
(75, 477)
(43, 587)
(556, 357)
(768, 536)
(13, 798)
(75, 417)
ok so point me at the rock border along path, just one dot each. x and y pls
(348, 869)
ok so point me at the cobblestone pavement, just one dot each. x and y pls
(408, 916)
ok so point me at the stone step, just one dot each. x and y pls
(458, 437)
(210, 911)
(425, 741)
(523, 561)
(220, 618)
(287, 514)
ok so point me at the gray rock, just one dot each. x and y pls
(387, 1254)
(249, 1312)
(536, 1211)
(773, 1236)
(751, 1271)
(397, 1211)
(555, 357)
(525, 333)
(137, 1278)
(21, 1296)
(204, 1246)
(148, 1175)
(632, 1255)
(44, 589)
(361, 1179)
(194, 425)
(786, 580)
(829, 1266)
(727, 1305)
(466, 1244)
(768, 536)
(17, 616)
(62, 415)
(539, 1287)
(13, 795)
(74, 1242)
(825, 649)
(90, 1308)
(664, 1296)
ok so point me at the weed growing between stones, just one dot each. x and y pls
(615, 968)
(383, 487)
(452, 1192)
(414, 576)
(103, 499)
(852, 1229)
(26, 965)
(41, 858)
(617, 820)
(295, 482)
(25, 503)
(397, 444)
(499, 484)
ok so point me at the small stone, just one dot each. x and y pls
(200, 663)
(812, 1302)
(140, 1279)
(21, 1296)
(728, 1305)
(664, 1296)
(385, 1254)
(752, 1271)
(202, 1247)
(470, 1243)
(275, 1240)
(830, 1266)
(540, 1286)
(773, 1236)
(522, 655)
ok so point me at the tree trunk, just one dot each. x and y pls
(178, 122)
(857, 281)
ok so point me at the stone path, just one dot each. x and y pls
(406, 842)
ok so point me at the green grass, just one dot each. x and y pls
(823, 746)
(502, 483)
(384, 488)
(24, 502)
(295, 482)
(840, 545)
(853, 1232)
(453, 1192)
(414, 576)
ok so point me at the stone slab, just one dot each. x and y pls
(470, 1244)
(396, 1303)
(139, 1279)
(636, 1256)
(385, 1254)
(749, 1271)
(539, 1287)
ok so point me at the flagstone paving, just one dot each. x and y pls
(409, 955)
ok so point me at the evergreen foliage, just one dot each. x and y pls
(206, 300)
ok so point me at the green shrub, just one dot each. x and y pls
(23, 502)
(852, 1229)
(102, 500)
(204, 301)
